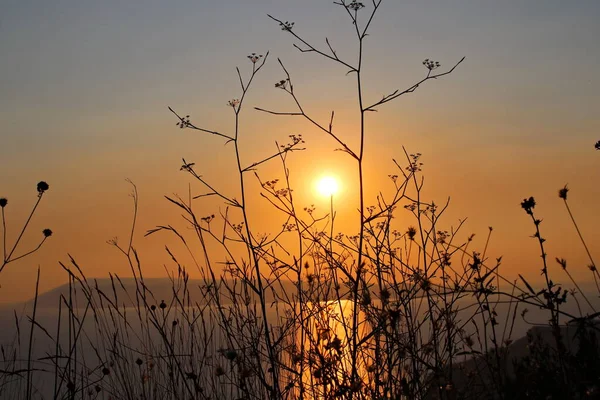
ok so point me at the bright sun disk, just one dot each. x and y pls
(327, 186)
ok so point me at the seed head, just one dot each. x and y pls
(255, 57)
(42, 187)
(47, 232)
(286, 26)
(430, 64)
(562, 193)
(528, 205)
(355, 5)
(3, 202)
(562, 262)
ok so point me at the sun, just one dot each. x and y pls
(327, 186)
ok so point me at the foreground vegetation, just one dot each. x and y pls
(386, 312)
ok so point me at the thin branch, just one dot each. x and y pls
(30, 252)
(283, 151)
(302, 113)
(186, 123)
(311, 48)
(395, 94)
(279, 112)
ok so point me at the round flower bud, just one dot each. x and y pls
(42, 187)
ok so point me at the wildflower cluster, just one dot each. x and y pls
(255, 57)
(415, 165)
(208, 218)
(354, 239)
(238, 227)
(282, 192)
(381, 225)
(294, 140)
(184, 122)
(289, 227)
(310, 209)
(441, 237)
(411, 207)
(355, 5)
(430, 64)
(528, 205)
(431, 208)
(233, 103)
(286, 26)
(282, 84)
(270, 184)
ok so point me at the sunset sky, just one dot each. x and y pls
(85, 87)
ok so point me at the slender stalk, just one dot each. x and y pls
(4, 233)
(7, 258)
(587, 250)
(30, 346)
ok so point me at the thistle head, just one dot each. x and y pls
(42, 187)
(562, 193)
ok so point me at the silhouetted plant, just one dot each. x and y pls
(396, 310)
(9, 252)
